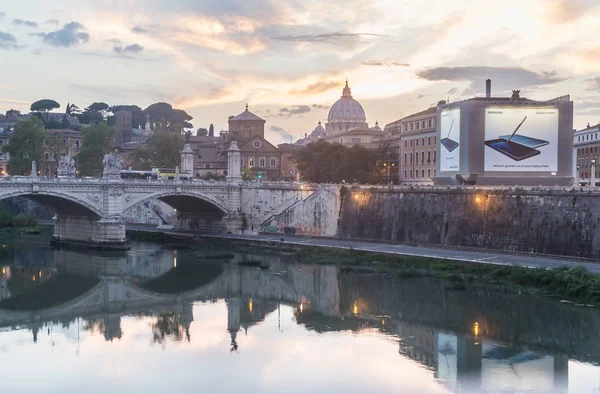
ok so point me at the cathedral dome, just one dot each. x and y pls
(318, 132)
(346, 109)
(377, 128)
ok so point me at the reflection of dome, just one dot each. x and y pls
(318, 132)
(377, 128)
(346, 114)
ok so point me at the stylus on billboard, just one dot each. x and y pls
(518, 127)
(449, 131)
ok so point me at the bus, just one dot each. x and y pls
(130, 174)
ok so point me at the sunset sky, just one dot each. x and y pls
(289, 58)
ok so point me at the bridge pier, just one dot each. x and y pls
(103, 233)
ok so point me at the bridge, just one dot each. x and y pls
(90, 211)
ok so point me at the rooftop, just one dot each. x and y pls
(247, 115)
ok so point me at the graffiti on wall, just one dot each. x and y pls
(293, 229)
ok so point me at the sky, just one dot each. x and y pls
(289, 59)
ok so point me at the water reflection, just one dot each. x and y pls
(339, 332)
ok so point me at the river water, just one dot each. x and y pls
(158, 319)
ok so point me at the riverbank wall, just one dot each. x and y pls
(550, 221)
(541, 221)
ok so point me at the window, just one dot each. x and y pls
(422, 157)
(423, 141)
(405, 143)
(411, 173)
(423, 124)
(434, 170)
(1, 156)
(262, 162)
(241, 162)
(273, 162)
(417, 142)
(207, 166)
(429, 172)
(405, 158)
(429, 123)
(417, 125)
(422, 173)
(411, 143)
(405, 174)
(429, 141)
(428, 156)
(251, 162)
(412, 126)
(410, 155)
(579, 139)
(355, 140)
(76, 143)
(406, 127)
(434, 156)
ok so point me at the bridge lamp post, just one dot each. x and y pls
(577, 175)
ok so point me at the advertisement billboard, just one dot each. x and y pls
(450, 140)
(521, 139)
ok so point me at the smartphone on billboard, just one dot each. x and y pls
(524, 140)
(513, 150)
(447, 142)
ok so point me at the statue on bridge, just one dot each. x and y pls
(66, 167)
(112, 166)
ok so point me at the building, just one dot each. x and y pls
(346, 125)
(586, 152)
(71, 143)
(127, 138)
(511, 141)
(415, 137)
(258, 156)
(289, 169)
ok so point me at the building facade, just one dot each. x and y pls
(416, 136)
(586, 154)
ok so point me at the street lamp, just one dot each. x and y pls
(577, 175)
(389, 169)
(593, 174)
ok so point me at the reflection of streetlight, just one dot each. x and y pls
(355, 309)
(593, 173)
(250, 304)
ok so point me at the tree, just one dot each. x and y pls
(25, 146)
(55, 146)
(323, 162)
(94, 113)
(97, 141)
(170, 119)
(211, 130)
(163, 151)
(202, 132)
(44, 106)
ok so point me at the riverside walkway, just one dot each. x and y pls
(465, 255)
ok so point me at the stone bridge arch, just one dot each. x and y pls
(60, 202)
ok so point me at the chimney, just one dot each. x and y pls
(488, 88)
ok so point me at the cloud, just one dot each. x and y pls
(568, 11)
(8, 41)
(316, 88)
(452, 91)
(52, 22)
(503, 78)
(2, 15)
(37, 51)
(139, 30)
(286, 135)
(386, 64)
(594, 84)
(337, 38)
(319, 106)
(422, 96)
(21, 22)
(295, 110)
(129, 50)
(69, 35)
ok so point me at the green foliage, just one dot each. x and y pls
(163, 151)
(202, 132)
(7, 219)
(171, 119)
(323, 162)
(25, 146)
(97, 141)
(44, 105)
(56, 146)
(94, 113)
(211, 130)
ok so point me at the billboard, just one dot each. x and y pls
(450, 140)
(521, 139)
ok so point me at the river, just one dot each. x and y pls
(162, 319)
